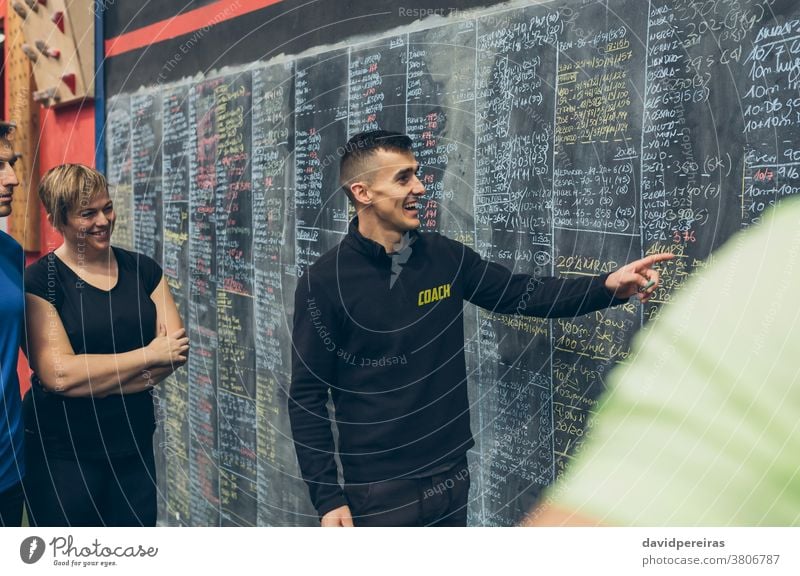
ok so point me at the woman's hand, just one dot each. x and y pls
(168, 350)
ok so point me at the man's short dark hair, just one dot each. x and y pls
(361, 147)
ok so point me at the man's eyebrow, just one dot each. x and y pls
(406, 171)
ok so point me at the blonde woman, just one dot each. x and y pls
(103, 330)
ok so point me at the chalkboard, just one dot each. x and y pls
(563, 138)
(174, 396)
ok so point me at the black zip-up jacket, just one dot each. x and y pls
(386, 335)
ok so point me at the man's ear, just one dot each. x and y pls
(52, 220)
(361, 193)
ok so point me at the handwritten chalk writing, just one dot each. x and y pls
(554, 140)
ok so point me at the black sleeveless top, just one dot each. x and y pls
(97, 322)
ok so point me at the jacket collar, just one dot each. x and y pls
(373, 249)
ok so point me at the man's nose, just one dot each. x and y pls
(418, 187)
(9, 177)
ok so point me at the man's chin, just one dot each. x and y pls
(413, 224)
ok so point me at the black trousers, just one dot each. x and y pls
(116, 491)
(11, 501)
(438, 500)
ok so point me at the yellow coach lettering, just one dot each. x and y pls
(430, 295)
(424, 297)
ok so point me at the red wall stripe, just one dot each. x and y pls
(182, 24)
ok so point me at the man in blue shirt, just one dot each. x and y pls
(12, 264)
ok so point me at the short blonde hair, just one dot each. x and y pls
(68, 186)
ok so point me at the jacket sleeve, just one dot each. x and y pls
(314, 339)
(494, 287)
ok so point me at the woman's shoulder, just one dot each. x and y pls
(128, 255)
(42, 265)
(132, 259)
(41, 275)
(142, 265)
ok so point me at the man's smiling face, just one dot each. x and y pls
(394, 190)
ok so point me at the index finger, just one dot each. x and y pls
(653, 258)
